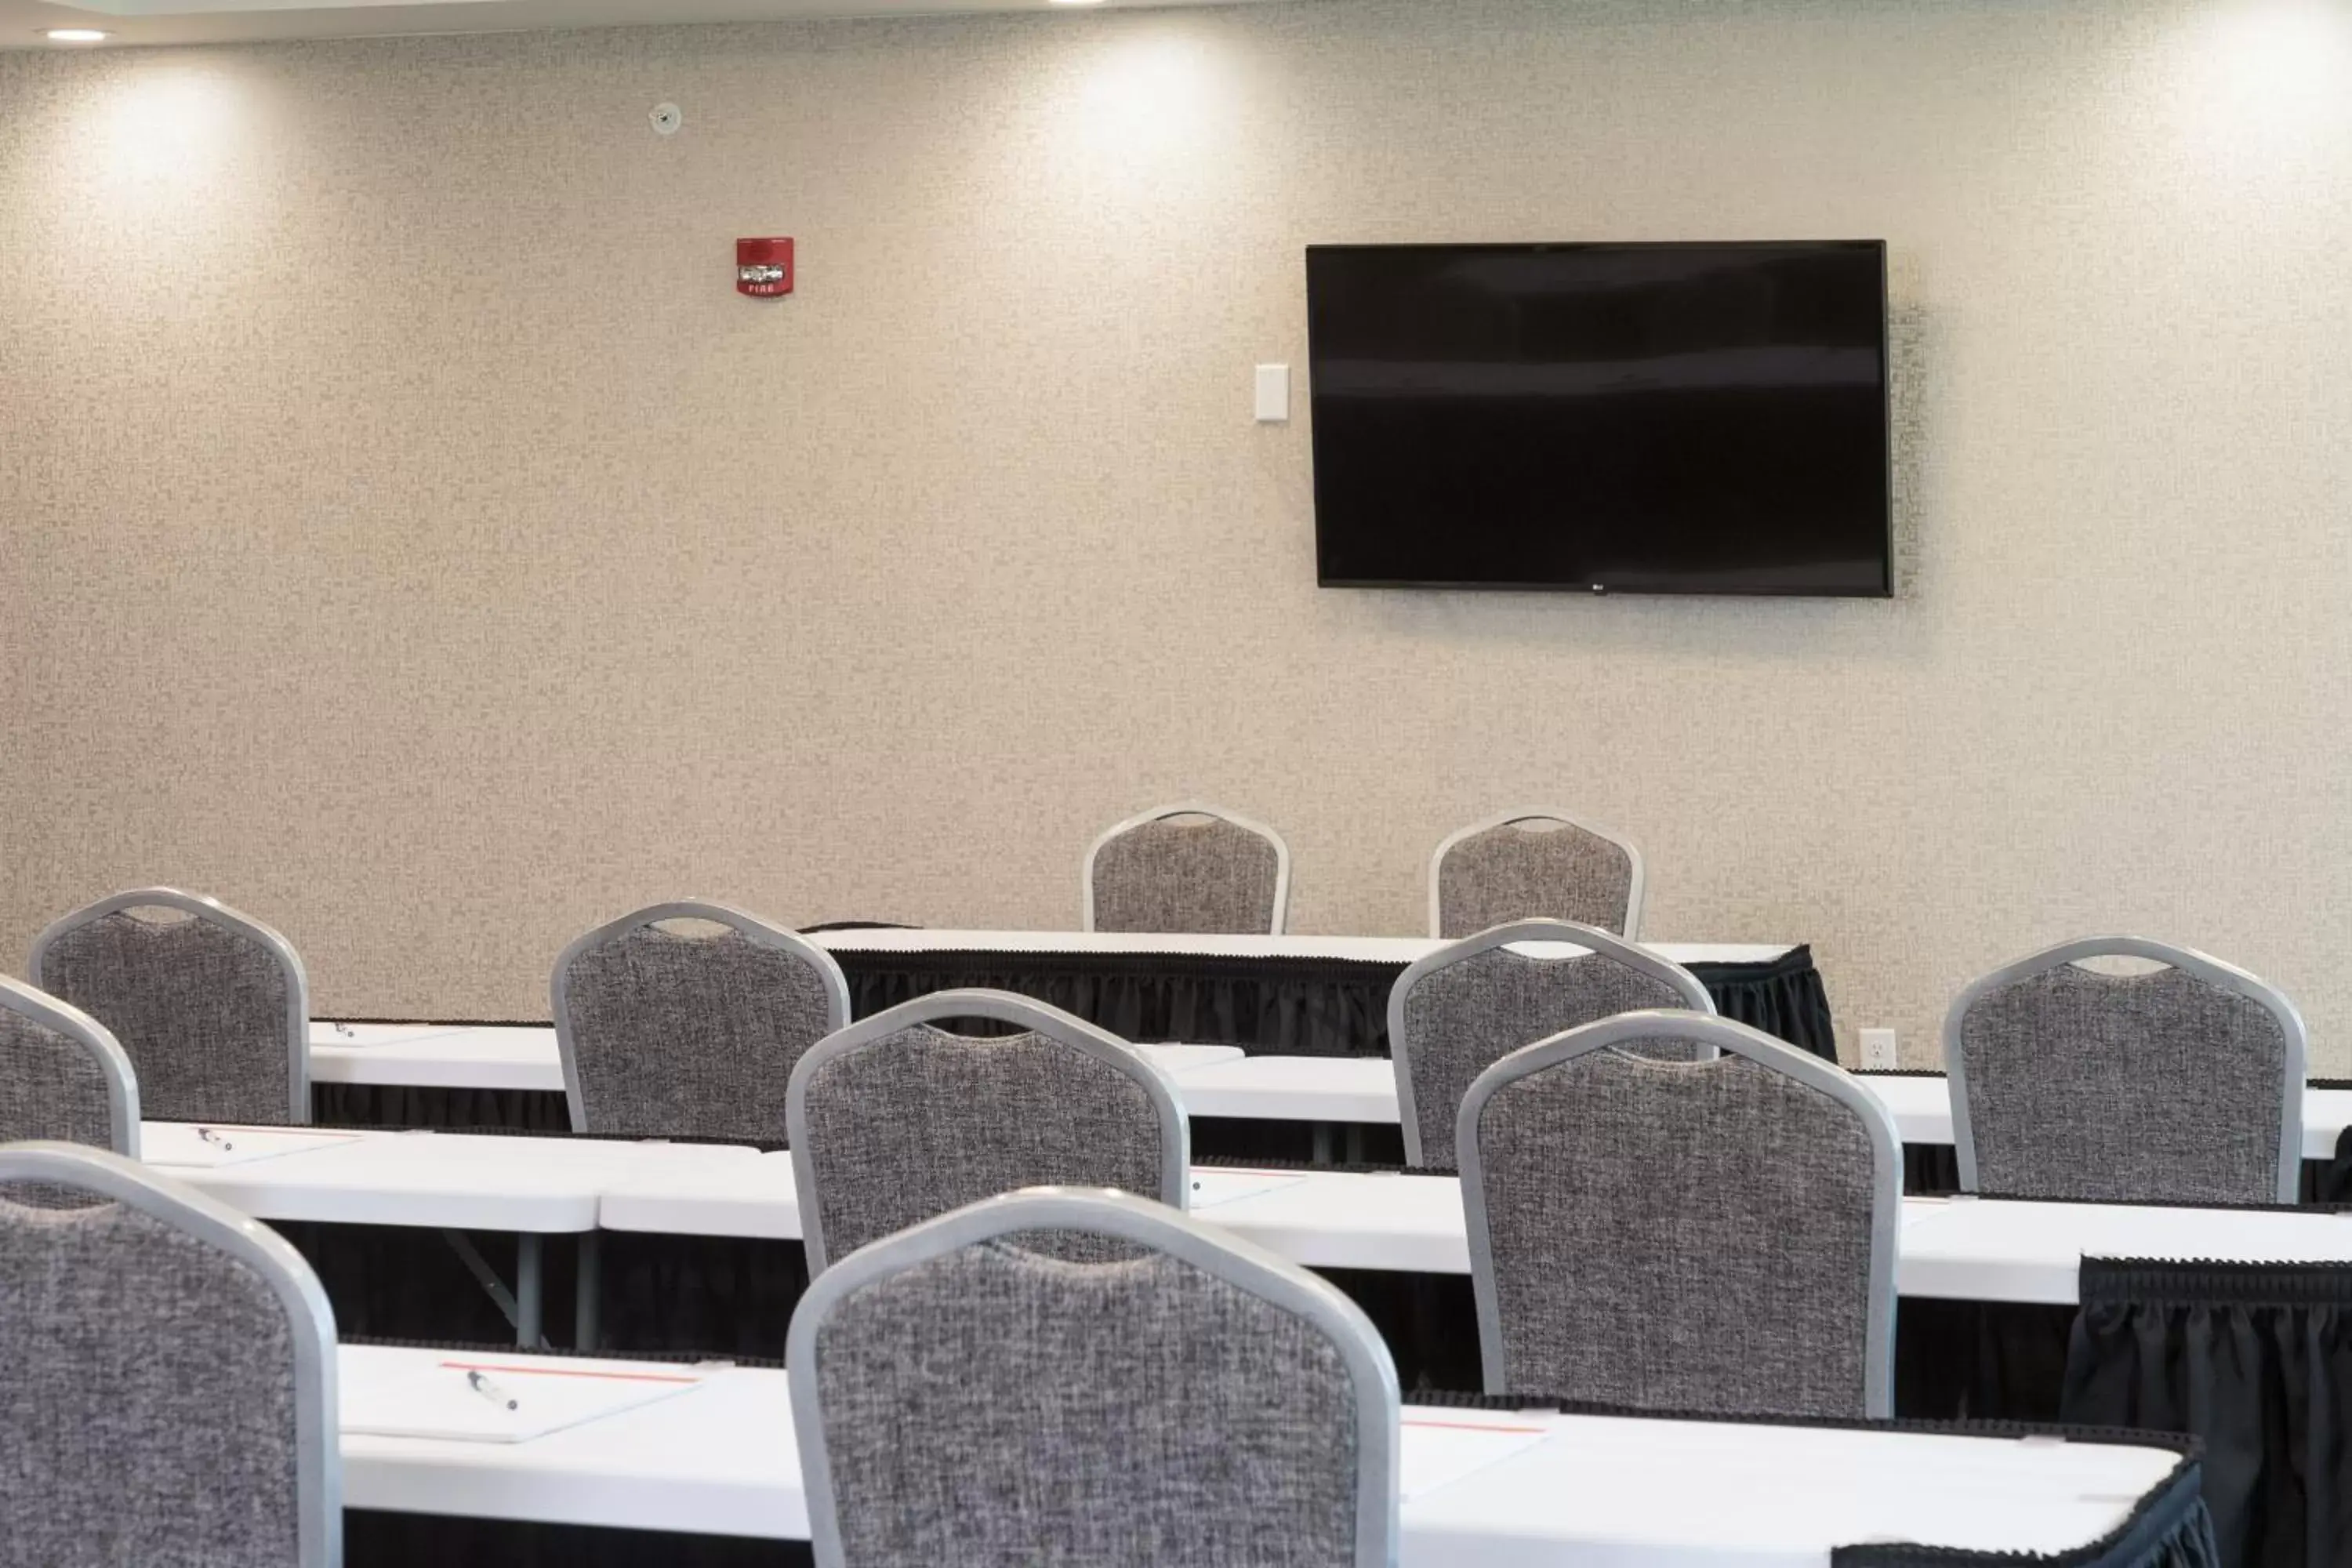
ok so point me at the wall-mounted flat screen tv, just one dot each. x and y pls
(1683, 418)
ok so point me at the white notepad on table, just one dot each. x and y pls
(494, 1399)
(189, 1143)
(1436, 1451)
(1210, 1188)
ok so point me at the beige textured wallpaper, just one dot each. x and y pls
(411, 537)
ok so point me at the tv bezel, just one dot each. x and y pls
(1887, 421)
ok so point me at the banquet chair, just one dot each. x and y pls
(961, 1398)
(170, 1396)
(210, 1006)
(1465, 1007)
(1711, 1236)
(1187, 867)
(62, 1076)
(685, 1020)
(2183, 1084)
(1537, 863)
(897, 1119)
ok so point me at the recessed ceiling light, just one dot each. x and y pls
(76, 35)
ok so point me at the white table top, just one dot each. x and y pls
(1323, 1219)
(331, 1032)
(1971, 1249)
(1294, 1089)
(722, 1459)
(1603, 1491)
(525, 1056)
(437, 1055)
(1922, 1106)
(757, 1200)
(1362, 949)
(544, 1186)
(1363, 1090)
(1965, 1248)
(1983, 1249)
(1412, 1225)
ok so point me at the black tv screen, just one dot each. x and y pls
(1685, 418)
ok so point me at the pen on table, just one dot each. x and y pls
(491, 1390)
(206, 1135)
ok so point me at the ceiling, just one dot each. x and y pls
(21, 21)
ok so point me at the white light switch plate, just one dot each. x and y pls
(1274, 395)
(1878, 1051)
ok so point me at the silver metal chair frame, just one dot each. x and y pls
(105, 1052)
(1695, 994)
(298, 983)
(2203, 966)
(1155, 1226)
(766, 934)
(1635, 888)
(310, 1323)
(1731, 1038)
(1004, 1007)
(1191, 808)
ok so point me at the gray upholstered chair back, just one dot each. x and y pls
(960, 1397)
(894, 1120)
(670, 1034)
(2179, 1085)
(167, 1378)
(1715, 1237)
(1535, 864)
(1466, 1006)
(1187, 867)
(210, 1006)
(62, 1076)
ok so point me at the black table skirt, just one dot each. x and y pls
(540, 1110)
(1289, 1007)
(1282, 1006)
(474, 1110)
(720, 1295)
(734, 1296)
(2255, 1361)
(2170, 1529)
(376, 1539)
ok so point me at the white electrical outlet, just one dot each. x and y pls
(1878, 1051)
(1274, 395)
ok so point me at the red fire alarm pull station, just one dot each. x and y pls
(764, 267)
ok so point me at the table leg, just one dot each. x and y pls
(506, 1300)
(588, 1296)
(527, 1291)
